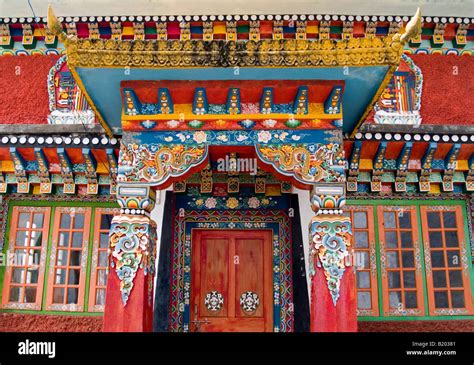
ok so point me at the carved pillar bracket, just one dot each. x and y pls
(133, 237)
(330, 235)
(306, 163)
(154, 164)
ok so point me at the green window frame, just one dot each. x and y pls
(88, 309)
(417, 204)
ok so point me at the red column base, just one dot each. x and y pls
(327, 317)
(137, 315)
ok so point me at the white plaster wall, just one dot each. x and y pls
(306, 214)
(157, 216)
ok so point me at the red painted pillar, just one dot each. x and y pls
(333, 301)
(129, 296)
(137, 314)
(327, 317)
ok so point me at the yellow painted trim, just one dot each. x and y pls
(102, 122)
(365, 164)
(7, 166)
(462, 165)
(128, 31)
(435, 188)
(186, 113)
(376, 97)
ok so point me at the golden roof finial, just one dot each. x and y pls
(413, 28)
(54, 25)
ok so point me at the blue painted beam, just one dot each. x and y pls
(404, 157)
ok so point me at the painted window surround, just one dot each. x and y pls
(417, 204)
(88, 309)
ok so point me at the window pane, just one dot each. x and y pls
(364, 300)
(63, 239)
(36, 239)
(457, 299)
(392, 260)
(363, 279)
(30, 295)
(411, 299)
(16, 293)
(32, 276)
(454, 258)
(62, 258)
(106, 221)
(449, 219)
(361, 239)
(394, 279)
(408, 259)
(437, 259)
(103, 259)
(65, 221)
(391, 239)
(395, 300)
(362, 260)
(75, 258)
(409, 279)
(455, 279)
(104, 240)
(434, 220)
(74, 277)
(35, 257)
(22, 238)
(20, 257)
(79, 221)
(451, 238)
(439, 279)
(100, 297)
(24, 220)
(406, 238)
(18, 275)
(38, 220)
(77, 239)
(58, 295)
(441, 299)
(72, 294)
(102, 277)
(60, 276)
(389, 220)
(436, 239)
(404, 220)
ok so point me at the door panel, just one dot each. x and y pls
(249, 276)
(232, 287)
(214, 276)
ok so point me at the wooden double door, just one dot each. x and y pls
(232, 281)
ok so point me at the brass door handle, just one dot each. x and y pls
(197, 323)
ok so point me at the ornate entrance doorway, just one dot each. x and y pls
(232, 281)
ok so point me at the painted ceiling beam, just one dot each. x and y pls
(402, 167)
(354, 161)
(91, 171)
(200, 103)
(19, 164)
(43, 171)
(332, 105)
(377, 168)
(426, 165)
(69, 186)
(113, 167)
(470, 174)
(450, 164)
